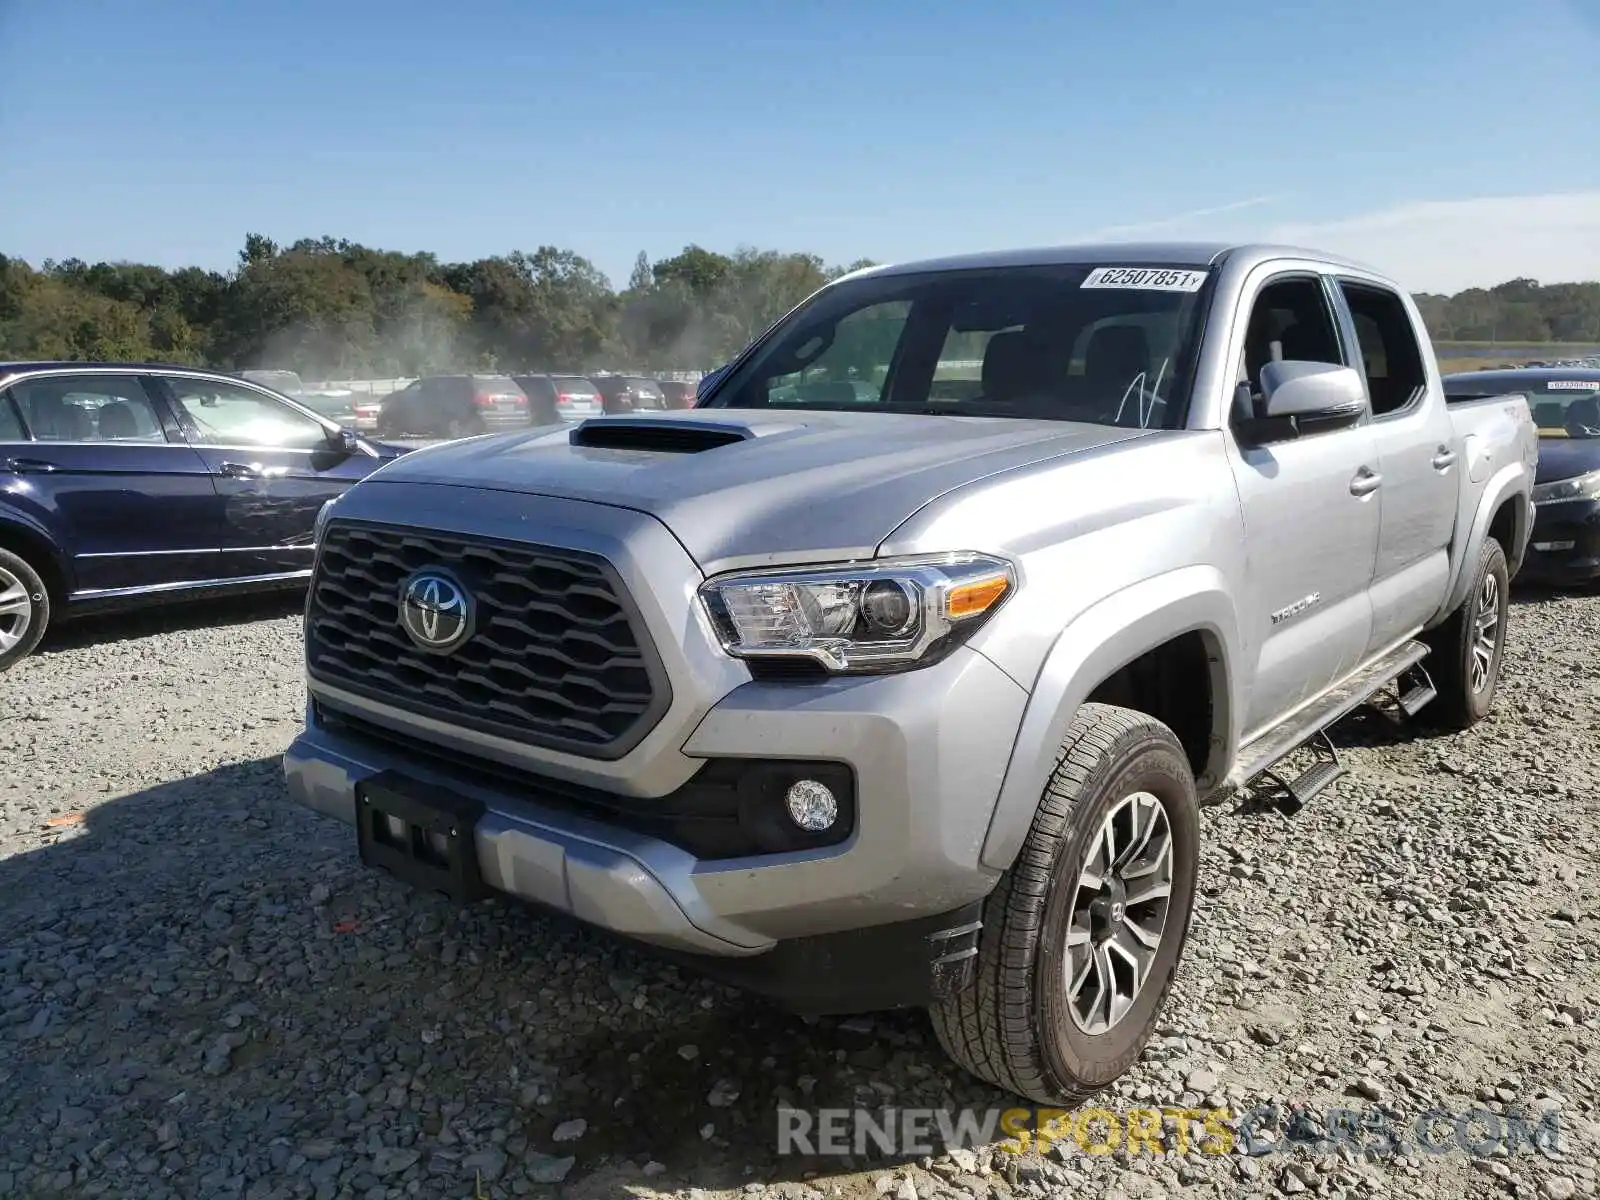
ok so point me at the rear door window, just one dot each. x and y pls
(89, 408)
(1391, 358)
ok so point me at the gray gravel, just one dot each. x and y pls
(203, 995)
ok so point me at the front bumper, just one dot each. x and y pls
(1564, 548)
(927, 750)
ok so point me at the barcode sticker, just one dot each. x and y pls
(1146, 279)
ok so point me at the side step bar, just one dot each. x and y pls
(1258, 757)
(1296, 793)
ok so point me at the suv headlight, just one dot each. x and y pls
(887, 615)
(1582, 487)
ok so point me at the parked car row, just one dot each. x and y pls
(464, 405)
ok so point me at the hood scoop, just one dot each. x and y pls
(661, 435)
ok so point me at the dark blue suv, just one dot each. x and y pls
(128, 484)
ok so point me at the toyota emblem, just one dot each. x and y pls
(435, 611)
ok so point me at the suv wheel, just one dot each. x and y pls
(24, 608)
(1469, 646)
(1082, 936)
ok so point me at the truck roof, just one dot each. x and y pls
(1153, 254)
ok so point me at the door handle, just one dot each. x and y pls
(30, 466)
(1443, 457)
(235, 470)
(1366, 482)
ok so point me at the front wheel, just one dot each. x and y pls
(1082, 936)
(1469, 646)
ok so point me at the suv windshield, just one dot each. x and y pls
(1108, 344)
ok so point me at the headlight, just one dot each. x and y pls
(1583, 487)
(866, 617)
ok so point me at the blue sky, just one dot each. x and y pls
(1411, 132)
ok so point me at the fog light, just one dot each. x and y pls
(812, 805)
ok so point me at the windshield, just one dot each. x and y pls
(1573, 412)
(1107, 344)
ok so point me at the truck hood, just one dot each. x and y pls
(1566, 458)
(783, 486)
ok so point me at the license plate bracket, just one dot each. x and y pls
(422, 835)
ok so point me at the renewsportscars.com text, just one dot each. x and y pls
(1265, 1129)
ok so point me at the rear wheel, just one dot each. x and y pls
(1469, 646)
(24, 608)
(1082, 936)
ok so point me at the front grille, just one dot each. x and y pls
(556, 659)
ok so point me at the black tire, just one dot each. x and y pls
(1012, 1026)
(18, 575)
(1465, 697)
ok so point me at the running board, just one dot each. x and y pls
(1277, 743)
(1294, 794)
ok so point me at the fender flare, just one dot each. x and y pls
(31, 533)
(1099, 641)
(1506, 483)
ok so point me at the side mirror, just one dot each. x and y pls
(344, 441)
(1321, 391)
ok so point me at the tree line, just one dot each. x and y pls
(332, 308)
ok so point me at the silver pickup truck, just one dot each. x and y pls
(895, 671)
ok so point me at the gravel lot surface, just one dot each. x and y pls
(202, 994)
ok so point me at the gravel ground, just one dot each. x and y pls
(203, 995)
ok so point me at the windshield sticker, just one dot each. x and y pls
(1145, 279)
(1573, 385)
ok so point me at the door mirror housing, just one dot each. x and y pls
(1311, 389)
(344, 441)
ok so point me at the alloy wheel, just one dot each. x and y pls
(16, 610)
(1486, 632)
(1119, 912)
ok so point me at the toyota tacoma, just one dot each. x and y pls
(895, 671)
